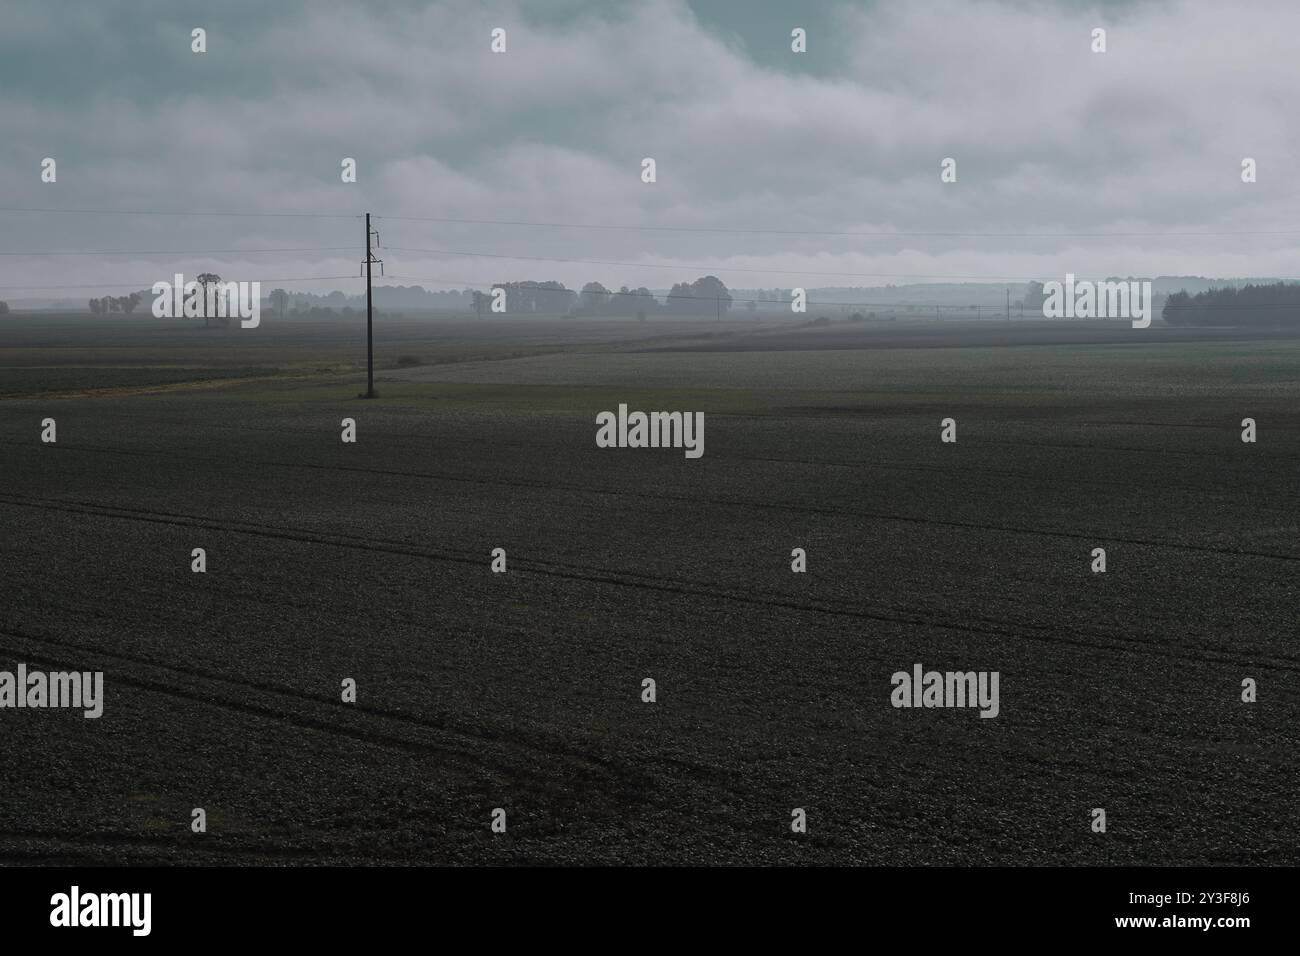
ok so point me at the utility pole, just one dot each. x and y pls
(370, 312)
(1008, 303)
(717, 302)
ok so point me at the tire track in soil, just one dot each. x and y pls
(1055, 634)
(733, 502)
(462, 742)
(623, 786)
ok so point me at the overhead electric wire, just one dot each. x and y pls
(149, 284)
(185, 212)
(645, 227)
(715, 269)
(686, 267)
(879, 234)
(179, 252)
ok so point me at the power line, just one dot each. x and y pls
(728, 269)
(593, 226)
(877, 234)
(179, 252)
(188, 212)
(855, 235)
(149, 284)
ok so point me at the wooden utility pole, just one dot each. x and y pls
(1008, 303)
(370, 312)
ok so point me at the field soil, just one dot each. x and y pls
(522, 690)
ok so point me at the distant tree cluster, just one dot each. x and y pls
(705, 296)
(121, 303)
(279, 300)
(1034, 297)
(595, 299)
(4, 308)
(1275, 304)
(546, 298)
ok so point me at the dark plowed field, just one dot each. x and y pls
(522, 690)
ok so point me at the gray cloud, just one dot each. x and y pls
(1048, 136)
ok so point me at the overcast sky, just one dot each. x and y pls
(1048, 136)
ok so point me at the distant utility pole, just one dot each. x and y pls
(717, 301)
(370, 311)
(1008, 303)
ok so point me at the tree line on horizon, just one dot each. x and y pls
(1277, 303)
(706, 295)
(110, 303)
(1270, 304)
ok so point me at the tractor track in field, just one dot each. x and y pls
(1061, 480)
(1055, 634)
(1089, 536)
(357, 721)
(515, 755)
